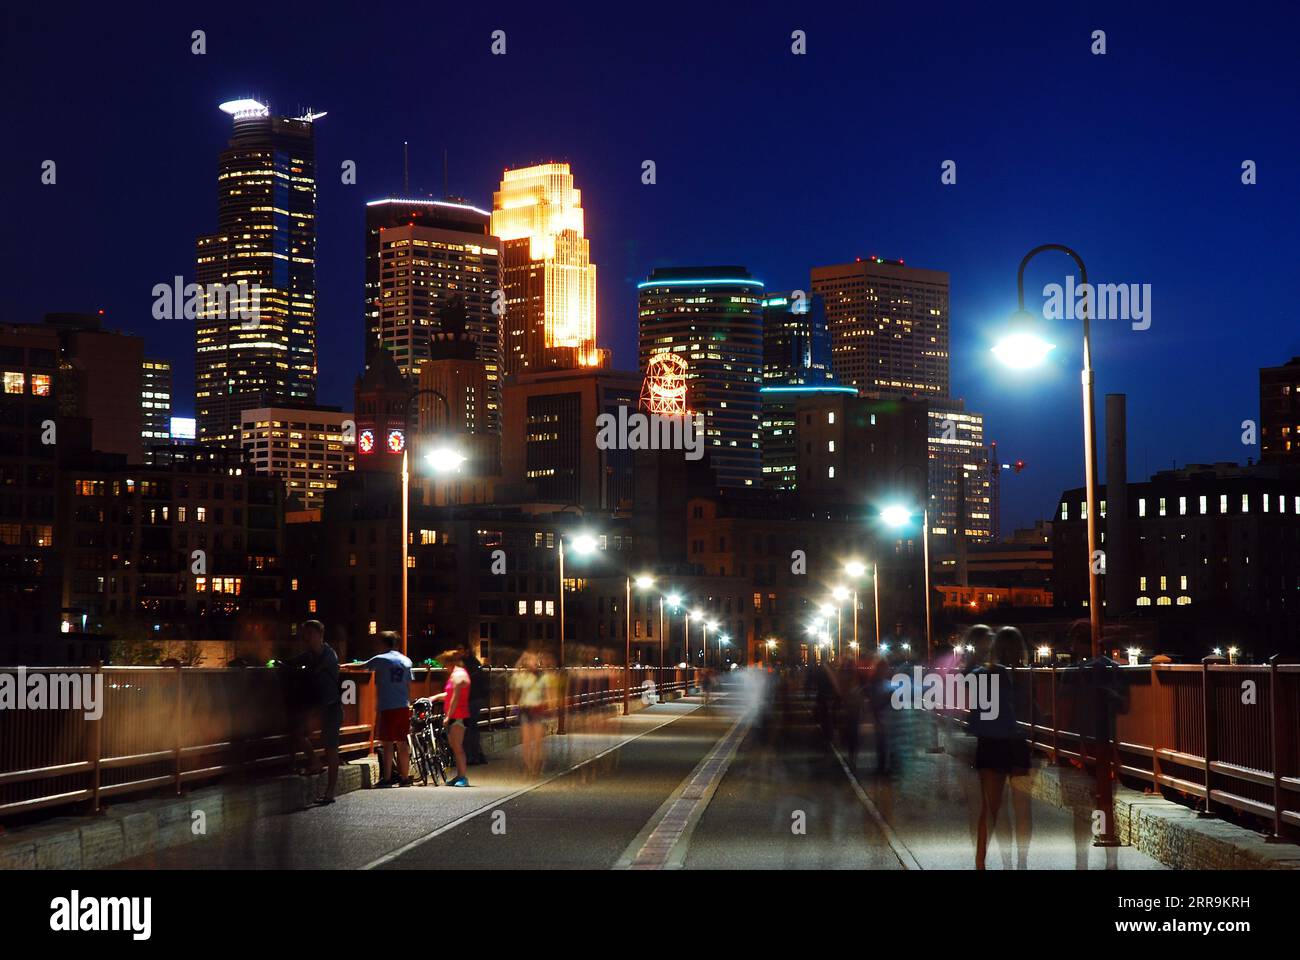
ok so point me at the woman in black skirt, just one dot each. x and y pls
(1001, 751)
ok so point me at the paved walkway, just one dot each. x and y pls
(675, 785)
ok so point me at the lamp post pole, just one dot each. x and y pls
(1089, 439)
(875, 585)
(661, 648)
(1102, 765)
(406, 536)
(925, 553)
(406, 503)
(564, 693)
(627, 650)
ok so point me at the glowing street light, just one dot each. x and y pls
(444, 459)
(582, 544)
(1022, 351)
(643, 582)
(896, 516)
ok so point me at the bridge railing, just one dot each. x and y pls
(1227, 735)
(166, 728)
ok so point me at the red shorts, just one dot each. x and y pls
(393, 725)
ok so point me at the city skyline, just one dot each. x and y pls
(991, 215)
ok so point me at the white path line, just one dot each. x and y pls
(896, 844)
(418, 841)
(663, 841)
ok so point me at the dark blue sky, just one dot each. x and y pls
(767, 159)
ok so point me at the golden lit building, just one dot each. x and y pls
(546, 271)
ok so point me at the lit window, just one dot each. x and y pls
(830, 416)
(1065, 510)
(1223, 503)
(1245, 503)
(311, 606)
(374, 627)
(1204, 504)
(1142, 506)
(40, 384)
(523, 607)
(1142, 583)
(830, 472)
(1182, 506)
(1182, 582)
(13, 382)
(1162, 506)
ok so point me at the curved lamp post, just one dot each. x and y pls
(1021, 350)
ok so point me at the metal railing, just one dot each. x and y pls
(1226, 735)
(167, 728)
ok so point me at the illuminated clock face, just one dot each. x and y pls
(366, 441)
(396, 441)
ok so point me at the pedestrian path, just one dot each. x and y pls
(932, 806)
(364, 827)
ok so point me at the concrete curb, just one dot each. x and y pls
(141, 827)
(1164, 830)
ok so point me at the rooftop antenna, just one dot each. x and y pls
(406, 170)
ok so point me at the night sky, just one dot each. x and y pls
(766, 159)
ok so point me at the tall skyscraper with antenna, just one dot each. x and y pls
(255, 344)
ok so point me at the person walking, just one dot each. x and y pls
(530, 687)
(478, 701)
(1001, 750)
(321, 687)
(392, 672)
(455, 697)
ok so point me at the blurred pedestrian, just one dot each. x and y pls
(478, 701)
(530, 687)
(1001, 750)
(325, 705)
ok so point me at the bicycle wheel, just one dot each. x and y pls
(419, 754)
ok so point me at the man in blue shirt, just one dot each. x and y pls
(392, 673)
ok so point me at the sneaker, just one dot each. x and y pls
(460, 782)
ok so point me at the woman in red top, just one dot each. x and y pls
(456, 709)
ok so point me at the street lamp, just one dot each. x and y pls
(898, 516)
(711, 625)
(643, 582)
(583, 545)
(840, 594)
(1023, 349)
(449, 461)
(856, 570)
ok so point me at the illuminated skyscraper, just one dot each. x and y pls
(155, 404)
(960, 466)
(712, 317)
(888, 324)
(421, 256)
(546, 271)
(255, 342)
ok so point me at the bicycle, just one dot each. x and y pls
(424, 745)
